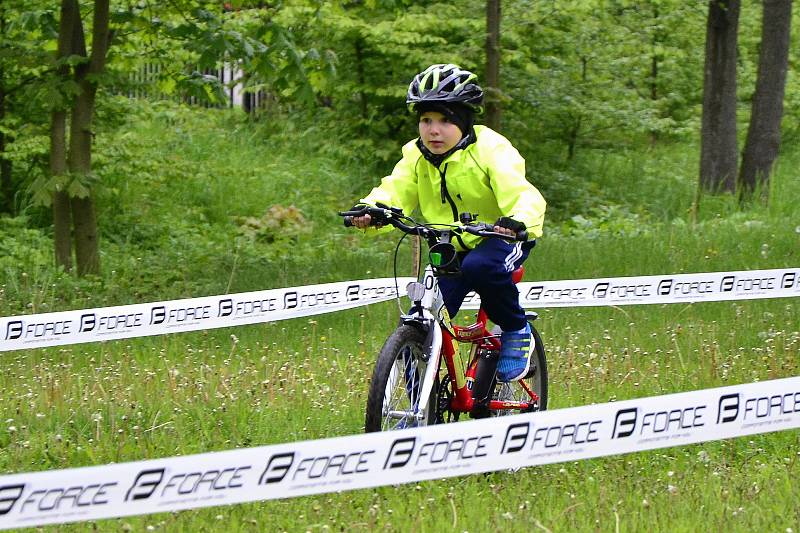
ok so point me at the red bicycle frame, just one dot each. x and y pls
(481, 339)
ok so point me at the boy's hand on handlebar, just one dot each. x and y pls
(363, 216)
(363, 222)
(509, 226)
(504, 231)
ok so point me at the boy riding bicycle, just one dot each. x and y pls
(454, 167)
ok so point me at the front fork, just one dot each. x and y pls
(433, 349)
(440, 343)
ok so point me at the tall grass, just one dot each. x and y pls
(307, 378)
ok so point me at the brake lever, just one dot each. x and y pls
(353, 213)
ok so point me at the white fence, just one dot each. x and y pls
(144, 84)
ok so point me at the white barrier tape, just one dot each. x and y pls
(159, 318)
(378, 459)
(663, 289)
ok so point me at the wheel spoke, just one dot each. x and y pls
(401, 394)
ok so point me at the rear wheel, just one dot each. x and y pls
(393, 400)
(536, 380)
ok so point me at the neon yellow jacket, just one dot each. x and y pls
(486, 178)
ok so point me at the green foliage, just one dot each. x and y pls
(199, 202)
(578, 90)
(277, 224)
(25, 68)
(188, 41)
(604, 221)
(382, 45)
(601, 75)
(21, 249)
(791, 104)
(576, 75)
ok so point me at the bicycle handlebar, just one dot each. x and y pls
(482, 229)
(392, 216)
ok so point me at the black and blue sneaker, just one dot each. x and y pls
(516, 348)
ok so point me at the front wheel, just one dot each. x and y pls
(393, 400)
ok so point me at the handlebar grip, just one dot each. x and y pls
(348, 215)
(522, 236)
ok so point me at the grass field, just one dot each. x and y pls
(307, 378)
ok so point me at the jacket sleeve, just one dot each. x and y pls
(399, 189)
(516, 196)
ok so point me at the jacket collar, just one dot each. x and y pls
(437, 159)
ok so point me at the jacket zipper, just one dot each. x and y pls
(446, 196)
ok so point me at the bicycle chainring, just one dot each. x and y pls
(444, 397)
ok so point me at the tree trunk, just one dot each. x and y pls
(80, 166)
(87, 256)
(493, 64)
(577, 120)
(764, 134)
(654, 60)
(361, 78)
(718, 150)
(572, 139)
(6, 185)
(70, 40)
(62, 218)
(87, 249)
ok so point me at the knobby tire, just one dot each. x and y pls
(393, 384)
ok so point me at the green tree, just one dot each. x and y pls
(371, 52)
(764, 133)
(186, 38)
(492, 81)
(23, 64)
(73, 153)
(718, 148)
(6, 184)
(666, 70)
(600, 72)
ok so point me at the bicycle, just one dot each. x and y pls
(409, 387)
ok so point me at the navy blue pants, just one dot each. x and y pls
(487, 270)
